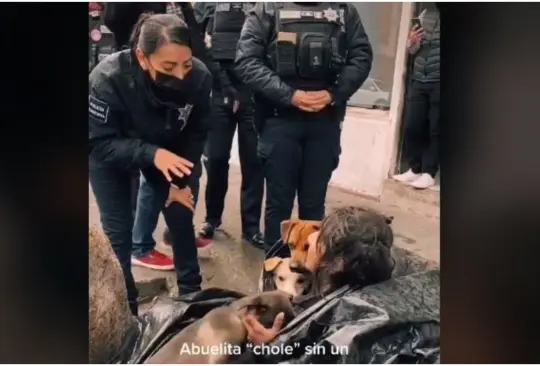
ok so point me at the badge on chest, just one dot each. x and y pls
(183, 115)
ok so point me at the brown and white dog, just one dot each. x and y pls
(296, 234)
(293, 283)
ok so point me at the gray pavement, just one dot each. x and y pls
(233, 264)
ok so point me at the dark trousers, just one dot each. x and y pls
(217, 153)
(421, 140)
(298, 157)
(135, 178)
(148, 209)
(110, 187)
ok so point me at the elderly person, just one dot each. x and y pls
(355, 244)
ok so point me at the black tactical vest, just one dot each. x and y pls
(308, 39)
(228, 22)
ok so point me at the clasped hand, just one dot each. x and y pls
(182, 196)
(311, 101)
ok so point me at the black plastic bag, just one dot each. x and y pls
(393, 322)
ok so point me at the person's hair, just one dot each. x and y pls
(356, 243)
(110, 319)
(155, 30)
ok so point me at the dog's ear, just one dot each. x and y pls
(316, 225)
(271, 263)
(286, 226)
(389, 219)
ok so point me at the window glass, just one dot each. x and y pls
(381, 22)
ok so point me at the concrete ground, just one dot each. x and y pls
(230, 263)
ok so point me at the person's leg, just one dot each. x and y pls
(281, 155)
(146, 220)
(114, 204)
(431, 154)
(416, 123)
(179, 220)
(320, 158)
(220, 139)
(194, 181)
(252, 189)
(194, 185)
(134, 191)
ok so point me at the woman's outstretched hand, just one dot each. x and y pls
(168, 163)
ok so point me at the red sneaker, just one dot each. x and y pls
(154, 260)
(202, 242)
(199, 241)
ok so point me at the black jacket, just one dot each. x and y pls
(126, 125)
(254, 70)
(120, 18)
(226, 82)
(427, 59)
(203, 13)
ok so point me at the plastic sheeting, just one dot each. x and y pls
(393, 322)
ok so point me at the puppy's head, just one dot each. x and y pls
(293, 283)
(266, 306)
(295, 234)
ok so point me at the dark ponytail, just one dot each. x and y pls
(154, 30)
(136, 32)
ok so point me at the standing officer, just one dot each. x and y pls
(232, 107)
(303, 61)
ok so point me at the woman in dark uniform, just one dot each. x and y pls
(147, 111)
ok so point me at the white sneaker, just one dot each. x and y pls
(425, 181)
(406, 177)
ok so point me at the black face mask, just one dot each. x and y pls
(167, 89)
(171, 83)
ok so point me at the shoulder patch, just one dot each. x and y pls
(98, 109)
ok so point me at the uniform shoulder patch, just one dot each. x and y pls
(98, 109)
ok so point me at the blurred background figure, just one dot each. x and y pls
(421, 139)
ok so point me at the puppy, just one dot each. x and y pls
(295, 234)
(293, 283)
(221, 329)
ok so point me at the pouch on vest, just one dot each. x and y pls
(224, 46)
(228, 22)
(286, 54)
(313, 56)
